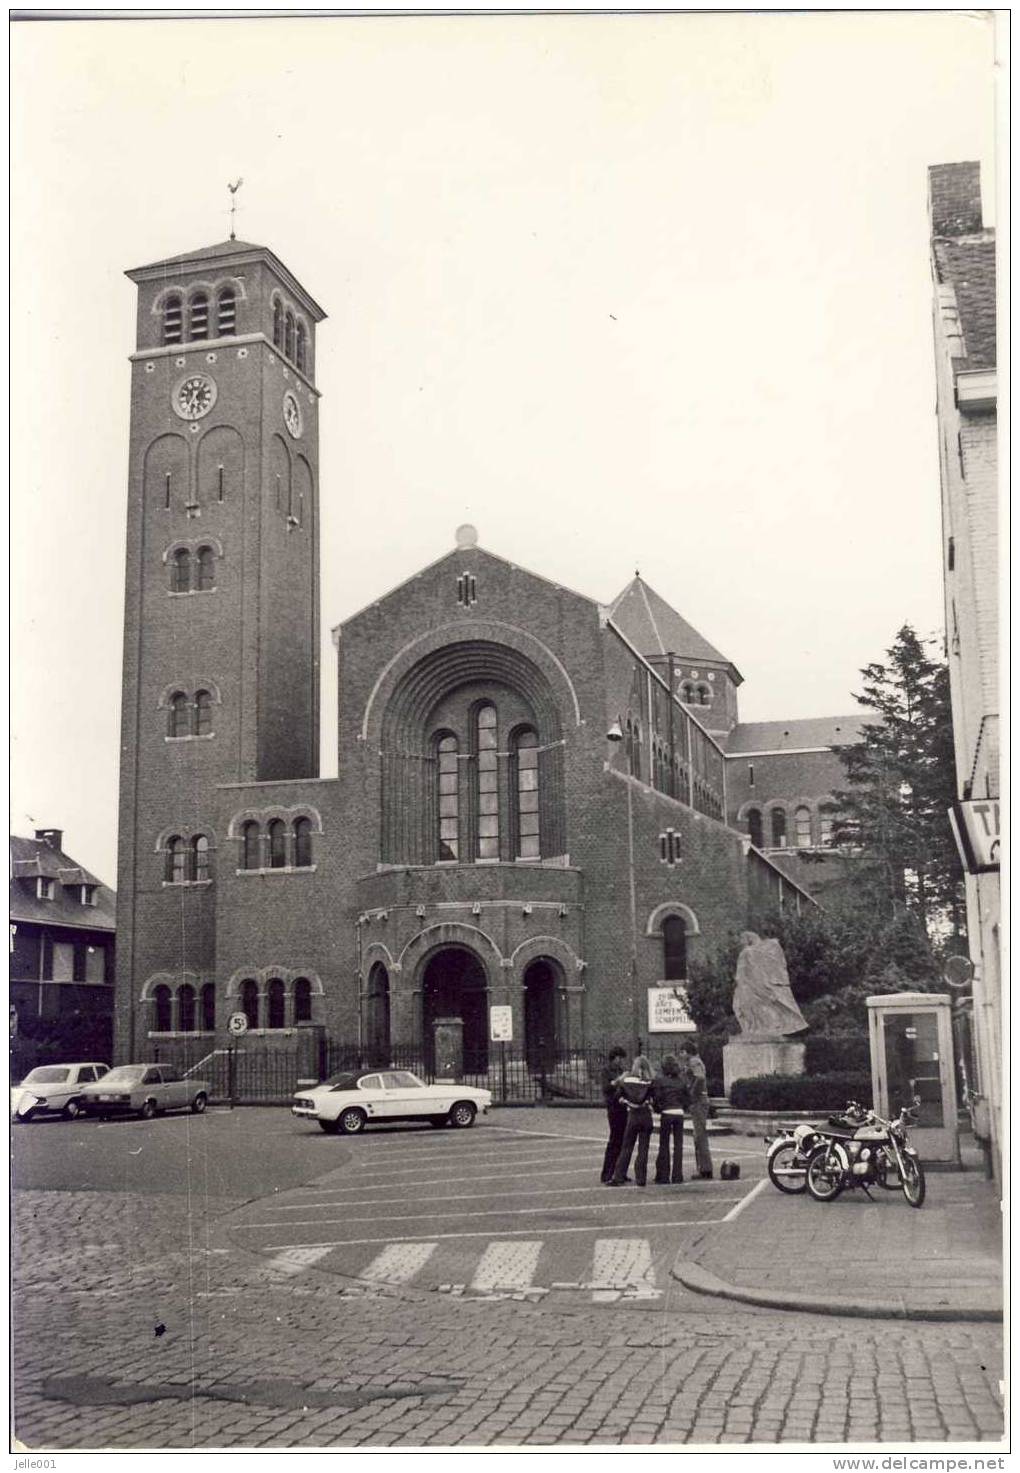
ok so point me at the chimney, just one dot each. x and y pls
(954, 199)
(52, 837)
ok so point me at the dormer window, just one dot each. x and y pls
(43, 888)
(87, 894)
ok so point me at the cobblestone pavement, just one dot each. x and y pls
(138, 1325)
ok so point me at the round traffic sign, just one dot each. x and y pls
(237, 1024)
(958, 970)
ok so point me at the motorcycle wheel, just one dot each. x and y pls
(913, 1181)
(784, 1171)
(824, 1175)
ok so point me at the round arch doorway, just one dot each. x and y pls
(543, 979)
(454, 985)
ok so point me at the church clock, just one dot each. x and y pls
(194, 396)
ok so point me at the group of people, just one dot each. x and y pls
(632, 1094)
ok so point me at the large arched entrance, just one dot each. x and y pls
(454, 986)
(542, 979)
(377, 1017)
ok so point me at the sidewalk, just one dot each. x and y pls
(878, 1258)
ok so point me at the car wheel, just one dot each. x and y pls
(72, 1110)
(329, 1126)
(352, 1121)
(462, 1114)
(148, 1110)
(199, 1103)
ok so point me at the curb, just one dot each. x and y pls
(701, 1281)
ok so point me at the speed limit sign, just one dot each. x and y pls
(237, 1024)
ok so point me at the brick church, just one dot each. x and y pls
(543, 802)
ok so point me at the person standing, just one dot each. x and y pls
(635, 1091)
(670, 1096)
(616, 1111)
(698, 1084)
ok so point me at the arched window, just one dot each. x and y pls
(674, 949)
(180, 571)
(179, 724)
(186, 1009)
(288, 335)
(488, 783)
(209, 1007)
(779, 828)
(226, 312)
(802, 827)
(302, 1000)
(687, 693)
(203, 713)
(176, 860)
(251, 845)
(277, 844)
(704, 695)
(200, 857)
(206, 570)
(277, 323)
(276, 1004)
(198, 316)
(172, 320)
(162, 1009)
(526, 764)
(754, 828)
(448, 797)
(825, 830)
(250, 1001)
(302, 843)
(301, 342)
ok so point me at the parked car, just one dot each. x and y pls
(347, 1103)
(145, 1090)
(53, 1089)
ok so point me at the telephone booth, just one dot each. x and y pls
(911, 1036)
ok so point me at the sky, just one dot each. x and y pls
(625, 292)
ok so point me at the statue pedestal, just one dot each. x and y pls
(760, 1053)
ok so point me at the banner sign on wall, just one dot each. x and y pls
(975, 825)
(667, 1012)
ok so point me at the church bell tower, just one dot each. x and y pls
(221, 628)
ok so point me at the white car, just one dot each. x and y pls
(347, 1103)
(53, 1089)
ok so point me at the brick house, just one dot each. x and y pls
(963, 272)
(62, 928)
(532, 805)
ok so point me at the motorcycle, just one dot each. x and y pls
(875, 1153)
(787, 1154)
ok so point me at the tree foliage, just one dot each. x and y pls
(900, 783)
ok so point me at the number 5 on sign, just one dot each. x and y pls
(237, 1024)
(501, 1025)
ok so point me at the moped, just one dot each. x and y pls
(878, 1153)
(787, 1154)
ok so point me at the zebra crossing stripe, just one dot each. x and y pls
(295, 1260)
(507, 1266)
(398, 1262)
(622, 1265)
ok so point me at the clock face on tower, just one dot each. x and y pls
(292, 414)
(194, 396)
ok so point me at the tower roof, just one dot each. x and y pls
(656, 629)
(229, 253)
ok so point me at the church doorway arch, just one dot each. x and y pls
(542, 980)
(377, 1017)
(454, 985)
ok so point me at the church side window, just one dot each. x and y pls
(277, 323)
(172, 319)
(226, 312)
(301, 346)
(449, 799)
(302, 843)
(674, 949)
(779, 828)
(802, 827)
(250, 1001)
(288, 334)
(203, 713)
(209, 1007)
(200, 857)
(176, 861)
(754, 828)
(276, 1007)
(277, 844)
(488, 783)
(825, 828)
(186, 1008)
(198, 316)
(206, 570)
(251, 845)
(179, 715)
(302, 1000)
(180, 571)
(687, 693)
(526, 763)
(161, 1009)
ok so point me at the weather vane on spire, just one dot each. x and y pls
(233, 205)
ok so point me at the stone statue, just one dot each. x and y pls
(762, 1000)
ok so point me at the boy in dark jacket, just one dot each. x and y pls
(671, 1097)
(616, 1112)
